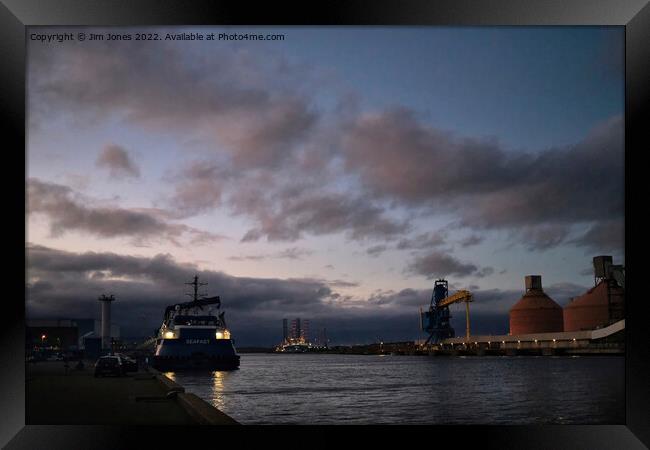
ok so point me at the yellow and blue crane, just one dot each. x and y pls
(435, 321)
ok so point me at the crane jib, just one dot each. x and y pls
(460, 296)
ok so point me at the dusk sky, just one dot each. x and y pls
(331, 176)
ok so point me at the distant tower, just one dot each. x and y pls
(106, 320)
(304, 332)
(295, 328)
(285, 330)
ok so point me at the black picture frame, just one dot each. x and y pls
(16, 15)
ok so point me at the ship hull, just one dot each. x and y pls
(195, 354)
(175, 363)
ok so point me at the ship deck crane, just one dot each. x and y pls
(437, 317)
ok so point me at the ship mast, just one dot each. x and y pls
(195, 284)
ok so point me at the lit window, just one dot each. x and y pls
(169, 335)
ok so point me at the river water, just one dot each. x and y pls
(373, 389)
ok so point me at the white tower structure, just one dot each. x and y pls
(106, 320)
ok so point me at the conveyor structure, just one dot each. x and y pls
(435, 321)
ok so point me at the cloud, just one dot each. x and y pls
(341, 283)
(604, 237)
(406, 298)
(544, 236)
(396, 156)
(68, 211)
(117, 160)
(161, 276)
(293, 253)
(259, 120)
(376, 250)
(562, 293)
(485, 272)
(425, 240)
(198, 188)
(295, 169)
(291, 216)
(439, 265)
(472, 240)
(263, 129)
(587, 271)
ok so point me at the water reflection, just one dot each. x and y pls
(217, 389)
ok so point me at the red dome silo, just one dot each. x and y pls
(535, 312)
(592, 309)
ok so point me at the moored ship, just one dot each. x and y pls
(192, 337)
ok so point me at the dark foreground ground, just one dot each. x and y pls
(55, 397)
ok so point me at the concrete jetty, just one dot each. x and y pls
(55, 395)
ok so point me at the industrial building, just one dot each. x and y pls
(591, 323)
(91, 335)
(65, 333)
(55, 333)
(602, 304)
(599, 307)
(91, 328)
(535, 312)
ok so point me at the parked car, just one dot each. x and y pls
(55, 357)
(130, 364)
(109, 365)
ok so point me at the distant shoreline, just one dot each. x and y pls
(449, 353)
